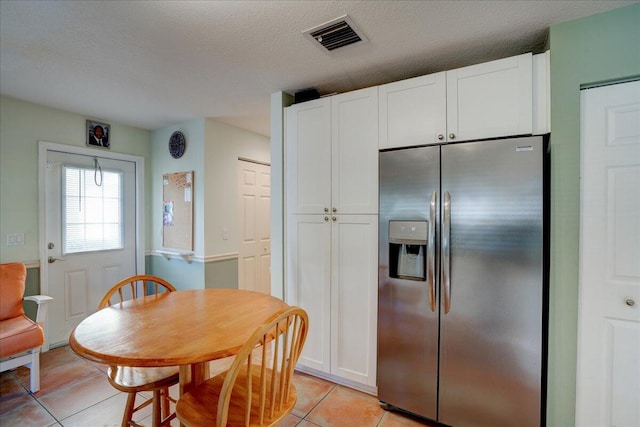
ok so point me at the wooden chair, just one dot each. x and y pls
(133, 380)
(257, 390)
(20, 337)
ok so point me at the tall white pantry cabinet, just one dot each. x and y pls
(332, 231)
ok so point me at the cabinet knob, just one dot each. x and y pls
(452, 136)
(440, 136)
(326, 218)
(630, 302)
(334, 210)
(334, 219)
(326, 209)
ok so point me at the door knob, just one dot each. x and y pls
(630, 302)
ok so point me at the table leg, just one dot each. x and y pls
(193, 375)
(156, 418)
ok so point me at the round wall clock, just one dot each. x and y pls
(177, 144)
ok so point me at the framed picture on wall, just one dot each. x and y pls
(98, 134)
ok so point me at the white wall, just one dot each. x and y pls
(223, 145)
(212, 153)
(279, 101)
(192, 160)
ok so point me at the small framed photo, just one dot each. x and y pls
(98, 134)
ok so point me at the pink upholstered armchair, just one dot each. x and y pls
(20, 337)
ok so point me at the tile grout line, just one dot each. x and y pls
(333, 387)
(32, 396)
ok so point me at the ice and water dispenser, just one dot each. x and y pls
(408, 249)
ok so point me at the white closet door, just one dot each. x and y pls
(608, 370)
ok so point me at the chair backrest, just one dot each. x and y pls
(12, 284)
(266, 379)
(134, 287)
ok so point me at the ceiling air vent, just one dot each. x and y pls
(336, 33)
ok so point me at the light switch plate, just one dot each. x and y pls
(15, 239)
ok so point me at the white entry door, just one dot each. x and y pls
(90, 222)
(254, 201)
(608, 370)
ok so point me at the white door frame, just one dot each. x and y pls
(43, 148)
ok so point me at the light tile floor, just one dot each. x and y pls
(75, 392)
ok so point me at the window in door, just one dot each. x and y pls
(92, 209)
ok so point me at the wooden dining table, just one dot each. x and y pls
(183, 328)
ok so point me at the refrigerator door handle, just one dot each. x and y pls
(446, 252)
(431, 253)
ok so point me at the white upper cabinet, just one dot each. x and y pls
(308, 153)
(488, 100)
(332, 155)
(412, 112)
(354, 152)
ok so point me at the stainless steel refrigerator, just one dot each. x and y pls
(462, 282)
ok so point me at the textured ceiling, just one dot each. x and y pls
(156, 64)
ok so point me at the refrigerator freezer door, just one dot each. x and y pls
(407, 318)
(490, 354)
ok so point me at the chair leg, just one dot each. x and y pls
(166, 402)
(34, 371)
(128, 409)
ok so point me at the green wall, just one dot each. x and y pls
(599, 48)
(212, 152)
(22, 125)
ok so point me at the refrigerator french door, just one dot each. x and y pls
(461, 309)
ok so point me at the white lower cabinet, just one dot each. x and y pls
(332, 274)
(308, 261)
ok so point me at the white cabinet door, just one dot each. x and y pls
(308, 157)
(308, 280)
(354, 285)
(490, 100)
(413, 111)
(354, 152)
